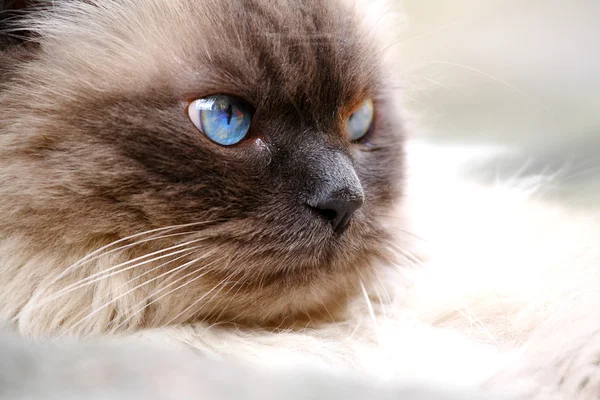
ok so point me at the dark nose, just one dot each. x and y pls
(333, 189)
(338, 208)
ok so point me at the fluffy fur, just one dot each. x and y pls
(490, 289)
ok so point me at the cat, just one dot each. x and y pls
(131, 207)
(102, 162)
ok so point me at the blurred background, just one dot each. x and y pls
(511, 89)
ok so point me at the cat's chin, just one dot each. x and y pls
(304, 289)
(115, 292)
(271, 279)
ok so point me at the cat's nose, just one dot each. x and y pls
(334, 191)
(338, 208)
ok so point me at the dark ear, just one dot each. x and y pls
(10, 12)
(13, 4)
(15, 43)
(7, 5)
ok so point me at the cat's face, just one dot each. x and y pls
(98, 144)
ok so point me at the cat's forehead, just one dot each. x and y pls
(301, 51)
(314, 50)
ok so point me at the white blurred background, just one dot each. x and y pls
(519, 79)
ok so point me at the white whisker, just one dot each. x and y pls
(105, 274)
(221, 285)
(134, 289)
(495, 78)
(387, 295)
(99, 252)
(169, 292)
(137, 277)
(371, 311)
(167, 228)
(230, 300)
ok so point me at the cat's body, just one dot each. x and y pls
(118, 216)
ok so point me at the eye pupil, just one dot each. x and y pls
(229, 114)
(223, 119)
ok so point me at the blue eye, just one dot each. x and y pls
(359, 123)
(223, 119)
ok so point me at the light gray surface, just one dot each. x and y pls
(524, 75)
(111, 372)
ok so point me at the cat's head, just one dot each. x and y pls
(250, 149)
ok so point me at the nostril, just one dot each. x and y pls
(328, 214)
(338, 211)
